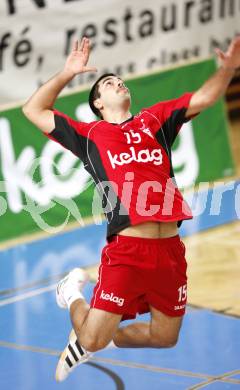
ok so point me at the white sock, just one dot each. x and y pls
(71, 296)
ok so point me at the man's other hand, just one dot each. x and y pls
(231, 58)
(78, 58)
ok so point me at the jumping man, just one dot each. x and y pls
(143, 266)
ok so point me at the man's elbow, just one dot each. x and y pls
(26, 110)
(42, 119)
(30, 112)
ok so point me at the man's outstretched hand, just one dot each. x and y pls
(78, 58)
(230, 59)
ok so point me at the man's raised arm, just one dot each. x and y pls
(216, 86)
(38, 109)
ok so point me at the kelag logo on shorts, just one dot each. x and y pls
(112, 298)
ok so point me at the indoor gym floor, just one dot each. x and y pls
(33, 330)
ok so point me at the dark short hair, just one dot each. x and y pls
(94, 94)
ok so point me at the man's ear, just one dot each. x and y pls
(98, 104)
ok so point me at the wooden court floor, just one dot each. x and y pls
(214, 269)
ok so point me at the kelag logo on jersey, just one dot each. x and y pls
(144, 155)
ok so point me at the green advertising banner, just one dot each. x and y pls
(44, 187)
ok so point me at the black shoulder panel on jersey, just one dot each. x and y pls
(166, 135)
(68, 137)
(169, 127)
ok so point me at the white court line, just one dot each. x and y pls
(122, 363)
(27, 295)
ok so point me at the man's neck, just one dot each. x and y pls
(117, 117)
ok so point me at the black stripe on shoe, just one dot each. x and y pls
(68, 361)
(73, 352)
(79, 348)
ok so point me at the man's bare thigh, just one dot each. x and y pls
(165, 327)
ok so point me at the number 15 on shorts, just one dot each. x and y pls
(182, 291)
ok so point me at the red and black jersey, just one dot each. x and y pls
(131, 162)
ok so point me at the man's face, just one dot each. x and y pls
(113, 92)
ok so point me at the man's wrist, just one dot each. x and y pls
(228, 69)
(68, 74)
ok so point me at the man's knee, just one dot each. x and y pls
(160, 340)
(93, 344)
(164, 342)
(98, 329)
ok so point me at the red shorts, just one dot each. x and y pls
(136, 273)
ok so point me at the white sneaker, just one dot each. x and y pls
(71, 357)
(70, 286)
